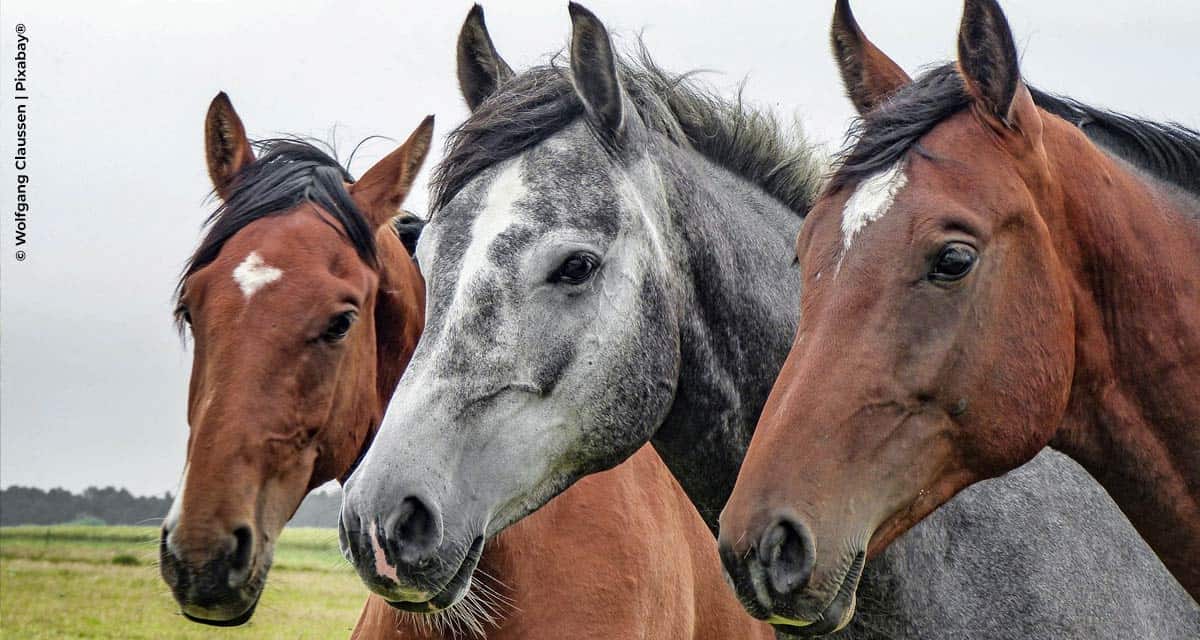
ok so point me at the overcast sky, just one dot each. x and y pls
(93, 378)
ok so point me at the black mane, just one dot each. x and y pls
(1169, 151)
(287, 173)
(408, 227)
(540, 102)
(881, 138)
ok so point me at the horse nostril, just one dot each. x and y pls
(243, 549)
(414, 527)
(787, 551)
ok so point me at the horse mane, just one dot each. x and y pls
(1169, 151)
(879, 139)
(287, 173)
(408, 227)
(541, 101)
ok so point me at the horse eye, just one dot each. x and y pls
(185, 314)
(953, 262)
(339, 326)
(576, 269)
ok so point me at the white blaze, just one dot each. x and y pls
(253, 274)
(870, 201)
(498, 214)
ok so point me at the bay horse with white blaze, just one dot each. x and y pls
(991, 270)
(609, 263)
(305, 307)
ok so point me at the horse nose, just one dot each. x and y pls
(210, 572)
(787, 553)
(394, 548)
(415, 529)
(213, 566)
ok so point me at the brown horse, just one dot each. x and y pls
(981, 278)
(305, 307)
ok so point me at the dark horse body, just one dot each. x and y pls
(992, 270)
(609, 264)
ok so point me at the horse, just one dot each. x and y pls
(307, 272)
(609, 263)
(304, 307)
(991, 270)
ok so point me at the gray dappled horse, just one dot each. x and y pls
(610, 262)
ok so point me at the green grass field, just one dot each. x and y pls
(102, 582)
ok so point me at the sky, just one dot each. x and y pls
(93, 378)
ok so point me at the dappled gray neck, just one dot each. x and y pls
(740, 298)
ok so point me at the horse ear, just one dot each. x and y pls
(225, 144)
(594, 69)
(480, 67)
(869, 75)
(987, 58)
(384, 186)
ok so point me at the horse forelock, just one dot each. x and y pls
(289, 172)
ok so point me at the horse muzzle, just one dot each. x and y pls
(221, 591)
(404, 556)
(773, 576)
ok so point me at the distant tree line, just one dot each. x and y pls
(110, 505)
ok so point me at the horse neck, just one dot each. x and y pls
(739, 295)
(399, 318)
(1134, 414)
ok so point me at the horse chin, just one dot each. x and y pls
(214, 619)
(455, 590)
